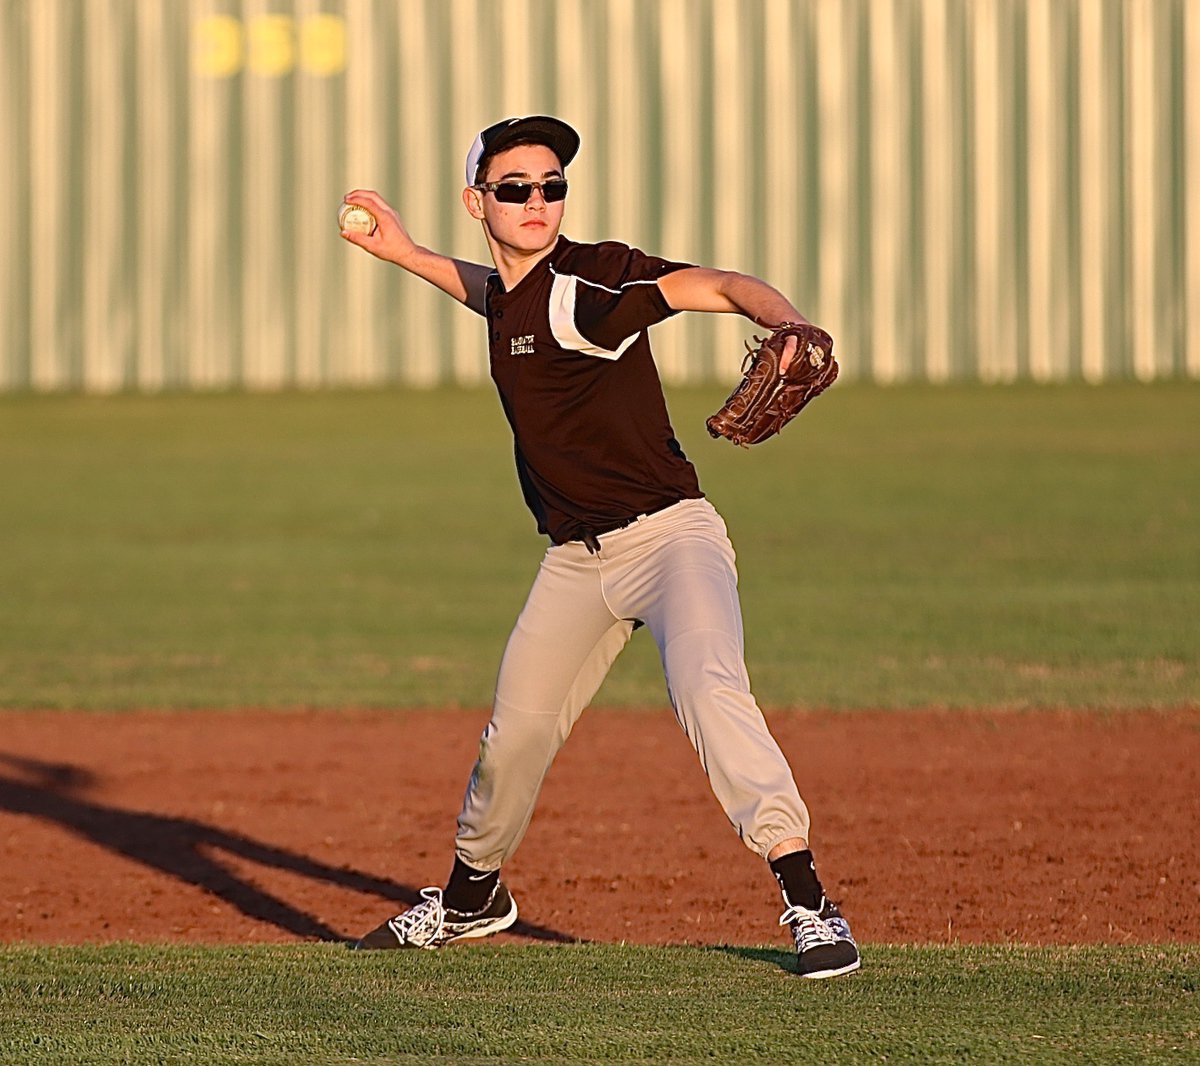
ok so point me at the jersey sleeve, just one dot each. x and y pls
(601, 309)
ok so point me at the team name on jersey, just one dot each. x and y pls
(522, 345)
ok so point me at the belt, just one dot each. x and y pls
(590, 537)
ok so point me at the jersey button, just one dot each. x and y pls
(499, 314)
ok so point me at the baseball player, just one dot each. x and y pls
(633, 541)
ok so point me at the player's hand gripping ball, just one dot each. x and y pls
(353, 218)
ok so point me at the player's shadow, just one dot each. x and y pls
(784, 960)
(186, 849)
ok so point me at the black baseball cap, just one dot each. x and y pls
(538, 129)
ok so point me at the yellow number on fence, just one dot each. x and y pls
(323, 45)
(272, 47)
(267, 45)
(217, 46)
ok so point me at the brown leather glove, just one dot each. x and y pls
(768, 399)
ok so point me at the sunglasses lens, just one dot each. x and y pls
(513, 192)
(518, 192)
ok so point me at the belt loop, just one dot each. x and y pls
(591, 542)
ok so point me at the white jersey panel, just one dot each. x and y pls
(562, 321)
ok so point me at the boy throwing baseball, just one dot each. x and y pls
(633, 541)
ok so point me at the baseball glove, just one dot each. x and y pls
(768, 399)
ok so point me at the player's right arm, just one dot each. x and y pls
(463, 280)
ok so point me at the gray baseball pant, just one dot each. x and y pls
(674, 570)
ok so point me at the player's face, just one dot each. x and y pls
(529, 227)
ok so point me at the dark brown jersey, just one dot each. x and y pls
(571, 359)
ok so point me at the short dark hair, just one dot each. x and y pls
(520, 142)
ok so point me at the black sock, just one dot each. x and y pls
(468, 889)
(797, 876)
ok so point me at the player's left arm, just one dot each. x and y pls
(708, 289)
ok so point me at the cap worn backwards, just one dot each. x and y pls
(539, 129)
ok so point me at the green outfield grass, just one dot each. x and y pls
(958, 546)
(591, 1003)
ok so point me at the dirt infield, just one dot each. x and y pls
(273, 827)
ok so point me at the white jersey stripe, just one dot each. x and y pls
(562, 320)
(606, 288)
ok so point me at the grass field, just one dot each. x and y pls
(1024, 546)
(960, 547)
(594, 1004)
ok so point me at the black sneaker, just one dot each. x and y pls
(824, 946)
(431, 924)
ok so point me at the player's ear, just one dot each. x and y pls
(473, 202)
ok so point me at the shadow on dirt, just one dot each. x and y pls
(184, 848)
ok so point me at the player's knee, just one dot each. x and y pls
(519, 739)
(705, 664)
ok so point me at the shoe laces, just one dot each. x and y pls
(809, 929)
(422, 925)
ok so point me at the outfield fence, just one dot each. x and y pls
(992, 189)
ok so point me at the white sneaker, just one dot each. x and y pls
(431, 924)
(824, 944)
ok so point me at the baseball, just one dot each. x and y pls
(355, 219)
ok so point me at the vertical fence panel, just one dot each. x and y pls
(469, 102)
(156, 175)
(732, 168)
(105, 294)
(1049, 304)
(938, 187)
(359, 316)
(995, 189)
(782, 227)
(1097, 151)
(626, 168)
(679, 86)
(422, 195)
(13, 198)
(889, 187)
(990, 230)
(835, 162)
(215, 42)
(1191, 181)
(313, 129)
(264, 196)
(1142, 166)
(49, 284)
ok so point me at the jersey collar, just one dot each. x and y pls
(496, 289)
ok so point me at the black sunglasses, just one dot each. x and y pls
(519, 192)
